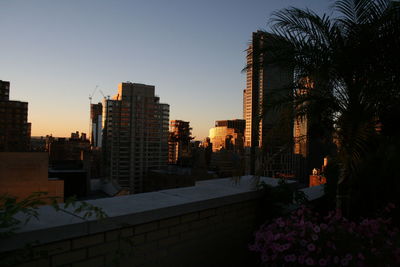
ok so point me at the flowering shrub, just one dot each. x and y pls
(305, 238)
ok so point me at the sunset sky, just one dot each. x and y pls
(54, 53)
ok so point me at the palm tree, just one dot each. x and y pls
(347, 75)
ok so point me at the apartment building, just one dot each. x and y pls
(135, 134)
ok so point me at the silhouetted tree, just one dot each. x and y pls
(347, 78)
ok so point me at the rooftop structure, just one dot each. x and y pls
(15, 130)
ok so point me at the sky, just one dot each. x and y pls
(56, 52)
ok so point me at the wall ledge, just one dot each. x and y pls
(135, 209)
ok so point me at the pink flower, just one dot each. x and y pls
(349, 257)
(364, 222)
(300, 212)
(268, 235)
(252, 247)
(309, 261)
(314, 237)
(324, 226)
(259, 235)
(361, 256)
(316, 229)
(311, 247)
(323, 262)
(275, 247)
(336, 259)
(279, 220)
(344, 262)
(300, 259)
(338, 214)
(287, 258)
(264, 258)
(290, 258)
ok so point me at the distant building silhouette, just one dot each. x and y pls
(135, 134)
(67, 149)
(15, 130)
(70, 161)
(179, 141)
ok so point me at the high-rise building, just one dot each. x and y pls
(135, 134)
(15, 130)
(237, 124)
(228, 134)
(96, 129)
(267, 129)
(179, 141)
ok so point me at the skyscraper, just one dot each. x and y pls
(135, 134)
(266, 129)
(179, 141)
(15, 130)
(96, 111)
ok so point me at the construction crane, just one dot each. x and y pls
(108, 97)
(91, 96)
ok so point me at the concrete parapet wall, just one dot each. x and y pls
(209, 224)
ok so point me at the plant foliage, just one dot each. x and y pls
(347, 79)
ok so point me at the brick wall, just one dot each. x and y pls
(22, 173)
(209, 237)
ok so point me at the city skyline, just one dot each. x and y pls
(55, 54)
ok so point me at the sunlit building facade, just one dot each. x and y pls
(237, 124)
(266, 129)
(301, 124)
(313, 140)
(135, 134)
(228, 134)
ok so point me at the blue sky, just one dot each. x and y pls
(55, 53)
